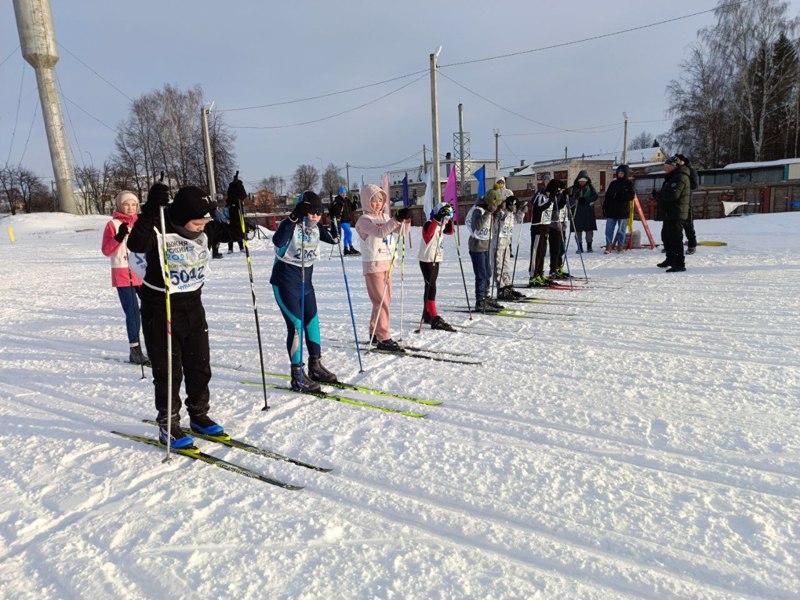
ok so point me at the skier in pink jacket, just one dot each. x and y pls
(115, 237)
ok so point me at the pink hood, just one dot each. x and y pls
(367, 192)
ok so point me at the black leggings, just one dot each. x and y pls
(430, 272)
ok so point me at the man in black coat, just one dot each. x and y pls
(617, 208)
(673, 200)
(341, 211)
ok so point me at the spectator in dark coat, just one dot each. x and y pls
(617, 208)
(673, 199)
(582, 199)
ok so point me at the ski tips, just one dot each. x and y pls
(236, 176)
(161, 179)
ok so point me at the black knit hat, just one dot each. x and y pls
(314, 202)
(190, 203)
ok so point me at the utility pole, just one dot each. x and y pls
(566, 153)
(347, 169)
(625, 141)
(37, 40)
(437, 188)
(212, 184)
(496, 153)
(424, 159)
(462, 172)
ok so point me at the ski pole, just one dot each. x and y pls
(463, 278)
(253, 296)
(516, 255)
(383, 295)
(169, 329)
(349, 301)
(302, 291)
(402, 276)
(580, 254)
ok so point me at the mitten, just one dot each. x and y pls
(121, 232)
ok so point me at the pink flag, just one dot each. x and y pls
(385, 186)
(451, 193)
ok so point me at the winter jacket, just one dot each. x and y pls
(235, 220)
(188, 257)
(617, 203)
(431, 249)
(296, 251)
(376, 230)
(481, 226)
(675, 195)
(342, 209)
(582, 203)
(121, 275)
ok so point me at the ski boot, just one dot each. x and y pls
(318, 372)
(308, 384)
(439, 323)
(205, 425)
(664, 264)
(505, 294)
(389, 346)
(588, 247)
(178, 438)
(137, 357)
(354, 252)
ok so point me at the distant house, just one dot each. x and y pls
(599, 166)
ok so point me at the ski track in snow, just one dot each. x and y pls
(635, 439)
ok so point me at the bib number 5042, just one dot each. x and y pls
(186, 276)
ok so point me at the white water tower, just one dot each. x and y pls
(37, 39)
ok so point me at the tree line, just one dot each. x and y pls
(738, 98)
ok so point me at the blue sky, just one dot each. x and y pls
(247, 54)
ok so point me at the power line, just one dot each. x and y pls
(71, 124)
(333, 116)
(9, 56)
(30, 130)
(94, 71)
(16, 119)
(392, 164)
(485, 59)
(87, 113)
(328, 95)
(592, 38)
(501, 107)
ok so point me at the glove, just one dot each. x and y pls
(446, 212)
(300, 210)
(121, 233)
(404, 214)
(236, 190)
(157, 196)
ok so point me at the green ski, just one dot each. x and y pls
(195, 453)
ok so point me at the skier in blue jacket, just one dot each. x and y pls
(296, 249)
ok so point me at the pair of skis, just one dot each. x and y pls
(352, 401)
(196, 454)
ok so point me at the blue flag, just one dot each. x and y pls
(405, 190)
(480, 175)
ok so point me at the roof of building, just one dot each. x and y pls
(768, 163)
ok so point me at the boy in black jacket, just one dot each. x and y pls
(189, 235)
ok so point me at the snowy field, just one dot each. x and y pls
(636, 438)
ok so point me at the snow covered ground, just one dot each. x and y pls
(639, 438)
